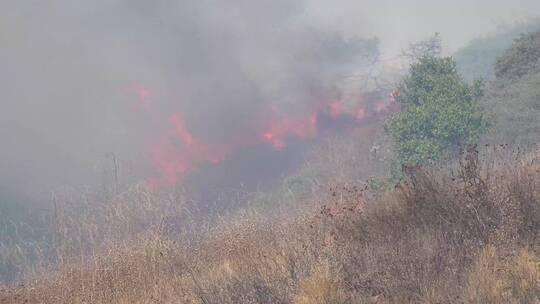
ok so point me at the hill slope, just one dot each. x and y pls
(513, 98)
(464, 234)
(478, 58)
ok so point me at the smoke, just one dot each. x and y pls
(175, 86)
(169, 83)
(399, 23)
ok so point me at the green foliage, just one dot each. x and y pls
(439, 112)
(477, 59)
(523, 58)
(379, 184)
(513, 98)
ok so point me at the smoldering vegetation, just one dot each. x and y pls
(241, 152)
(107, 96)
(87, 80)
(213, 102)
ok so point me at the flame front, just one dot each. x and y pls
(178, 151)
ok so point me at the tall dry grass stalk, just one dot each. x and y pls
(467, 233)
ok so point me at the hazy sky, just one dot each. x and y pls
(399, 22)
(68, 68)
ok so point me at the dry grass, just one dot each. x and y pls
(464, 234)
(498, 279)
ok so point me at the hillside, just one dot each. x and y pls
(512, 99)
(478, 58)
(424, 189)
(467, 233)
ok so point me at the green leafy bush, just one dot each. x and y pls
(439, 112)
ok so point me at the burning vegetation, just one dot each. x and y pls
(253, 155)
(178, 151)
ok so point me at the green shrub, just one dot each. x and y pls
(439, 112)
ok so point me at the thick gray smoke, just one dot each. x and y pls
(82, 79)
(73, 71)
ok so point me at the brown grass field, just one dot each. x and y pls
(465, 233)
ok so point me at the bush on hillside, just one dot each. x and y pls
(523, 58)
(513, 98)
(477, 59)
(439, 112)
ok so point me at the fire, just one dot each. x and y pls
(141, 94)
(279, 128)
(168, 162)
(177, 152)
(268, 136)
(360, 114)
(179, 130)
(336, 108)
(276, 142)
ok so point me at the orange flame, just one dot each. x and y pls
(177, 151)
(336, 108)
